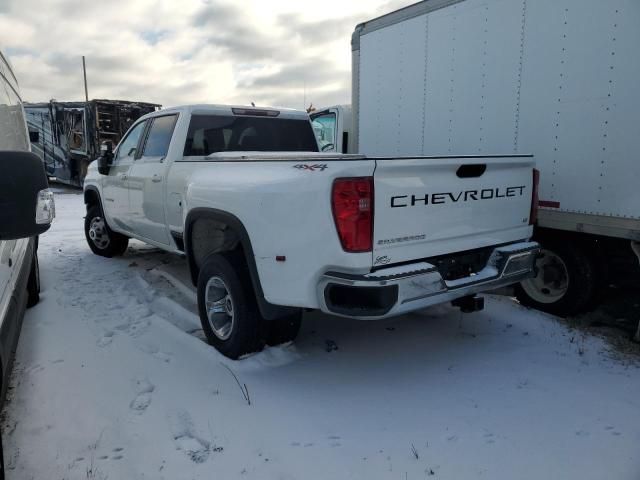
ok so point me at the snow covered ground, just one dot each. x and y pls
(113, 381)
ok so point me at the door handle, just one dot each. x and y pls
(156, 178)
(122, 176)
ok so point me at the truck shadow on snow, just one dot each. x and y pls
(436, 339)
(440, 336)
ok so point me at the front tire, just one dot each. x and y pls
(101, 239)
(227, 305)
(566, 282)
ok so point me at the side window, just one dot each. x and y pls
(13, 135)
(157, 144)
(324, 126)
(208, 134)
(129, 145)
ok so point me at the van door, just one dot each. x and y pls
(115, 187)
(147, 181)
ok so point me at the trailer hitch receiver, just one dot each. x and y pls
(469, 304)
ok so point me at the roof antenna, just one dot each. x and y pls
(253, 104)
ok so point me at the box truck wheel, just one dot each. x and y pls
(566, 281)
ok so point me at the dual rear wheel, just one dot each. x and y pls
(228, 310)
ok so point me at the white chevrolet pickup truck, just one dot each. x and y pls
(270, 226)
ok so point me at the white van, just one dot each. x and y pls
(26, 209)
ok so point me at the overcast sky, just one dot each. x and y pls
(186, 51)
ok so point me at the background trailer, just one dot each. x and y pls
(70, 133)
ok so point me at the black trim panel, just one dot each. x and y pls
(360, 301)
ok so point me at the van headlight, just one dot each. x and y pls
(45, 207)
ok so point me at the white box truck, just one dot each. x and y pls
(554, 78)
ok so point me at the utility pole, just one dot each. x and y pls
(84, 72)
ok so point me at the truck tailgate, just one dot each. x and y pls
(431, 206)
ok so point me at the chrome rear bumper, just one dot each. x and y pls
(396, 290)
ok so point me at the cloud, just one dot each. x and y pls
(218, 51)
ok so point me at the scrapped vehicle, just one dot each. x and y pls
(27, 210)
(70, 133)
(271, 226)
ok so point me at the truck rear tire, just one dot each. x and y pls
(283, 330)
(566, 282)
(101, 239)
(227, 305)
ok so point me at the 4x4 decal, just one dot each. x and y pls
(312, 168)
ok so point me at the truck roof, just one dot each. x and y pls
(215, 109)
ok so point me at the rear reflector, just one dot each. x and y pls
(352, 204)
(533, 216)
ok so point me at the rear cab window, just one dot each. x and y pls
(209, 134)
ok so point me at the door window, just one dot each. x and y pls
(157, 144)
(129, 145)
(324, 126)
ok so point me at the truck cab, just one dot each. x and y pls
(332, 127)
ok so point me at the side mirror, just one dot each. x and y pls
(105, 158)
(26, 204)
(34, 136)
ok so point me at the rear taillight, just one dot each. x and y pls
(352, 203)
(533, 215)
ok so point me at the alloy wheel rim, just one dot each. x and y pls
(220, 308)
